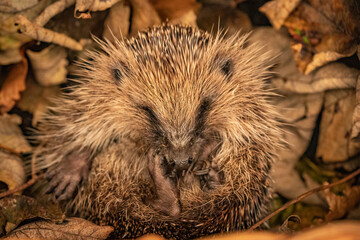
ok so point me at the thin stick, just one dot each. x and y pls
(33, 179)
(20, 188)
(305, 195)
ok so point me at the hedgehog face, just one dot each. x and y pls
(183, 93)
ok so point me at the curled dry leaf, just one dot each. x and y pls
(84, 7)
(331, 76)
(214, 17)
(299, 109)
(335, 143)
(16, 209)
(143, 16)
(42, 34)
(326, 30)
(71, 228)
(10, 6)
(11, 137)
(279, 10)
(36, 98)
(355, 131)
(177, 11)
(135, 17)
(117, 23)
(13, 85)
(340, 205)
(49, 65)
(12, 171)
(52, 10)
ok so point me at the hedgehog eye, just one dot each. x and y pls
(117, 74)
(226, 68)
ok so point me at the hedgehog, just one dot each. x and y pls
(170, 132)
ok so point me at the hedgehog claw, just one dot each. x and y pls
(68, 174)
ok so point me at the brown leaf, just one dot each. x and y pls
(327, 30)
(11, 137)
(12, 171)
(35, 99)
(49, 65)
(335, 143)
(16, 209)
(340, 205)
(355, 131)
(13, 85)
(278, 10)
(212, 17)
(134, 16)
(71, 228)
(169, 10)
(10, 6)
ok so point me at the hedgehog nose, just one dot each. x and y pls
(182, 163)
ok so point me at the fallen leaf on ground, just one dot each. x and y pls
(278, 11)
(334, 144)
(71, 228)
(11, 137)
(36, 98)
(170, 10)
(355, 131)
(13, 85)
(16, 209)
(214, 17)
(299, 109)
(322, 31)
(12, 171)
(339, 205)
(49, 65)
(84, 7)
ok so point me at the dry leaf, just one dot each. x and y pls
(71, 228)
(172, 10)
(326, 30)
(117, 22)
(12, 171)
(11, 137)
(16, 209)
(344, 230)
(330, 76)
(139, 15)
(339, 205)
(213, 17)
(299, 110)
(10, 39)
(278, 11)
(84, 7)
(11, 6)
(42, 34)
(335, 143)
(13, 85)
(355, 131)
(36, 98)
(49, 65)
(143, 16)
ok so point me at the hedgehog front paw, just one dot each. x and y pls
(214, 177)
(64, 179)
(167, 200)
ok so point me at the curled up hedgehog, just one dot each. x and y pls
(170, 132)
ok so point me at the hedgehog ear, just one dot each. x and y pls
(118, 73)
(227, 68)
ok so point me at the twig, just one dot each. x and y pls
(20, 188)
(305, 195)
(33, 179)
(42, 34)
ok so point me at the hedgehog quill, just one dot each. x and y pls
(170, 132)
